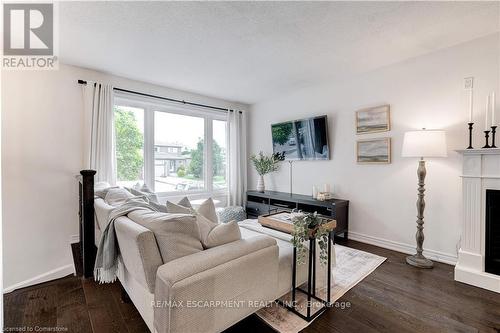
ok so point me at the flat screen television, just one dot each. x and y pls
(304, 139)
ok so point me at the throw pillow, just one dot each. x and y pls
(207, 209)
(152, 197)
(207, 220)
(184, 202)
(231, 213)
(117, 196)
(177, 209)
(182, 207)
(222, 234)
(205, 226)
(102, 191)
(158, 207)
(138, 199)
(177, 235)
(101, 186)
(145, 188)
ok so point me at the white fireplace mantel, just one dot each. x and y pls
(480, 172)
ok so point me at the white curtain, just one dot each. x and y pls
(237, 157)
(99, 131)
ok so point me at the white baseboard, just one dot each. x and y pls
(48, 276)
(404, 248)
(74, 239)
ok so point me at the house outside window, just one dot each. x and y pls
(175, 150)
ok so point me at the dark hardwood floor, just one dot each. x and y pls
(395, 298)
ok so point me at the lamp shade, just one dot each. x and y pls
(424, 143)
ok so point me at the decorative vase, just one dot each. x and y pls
(260, 184)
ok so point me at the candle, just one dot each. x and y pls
(486, 123)
(470, 105)
(315, 192)
(493, 123)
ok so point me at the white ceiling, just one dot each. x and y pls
(250, 51)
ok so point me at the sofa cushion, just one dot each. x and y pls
(231, 213)
(177, 235)
(117, 196)
(184, 202)
(145, 188)
(102, 211)
(159, 207)
(177, 209)
(207, 209)
(206, 217)
(182, 207)
(222, 234)
(152, 197)
(101, 191)
(101, 186)
(205, 226)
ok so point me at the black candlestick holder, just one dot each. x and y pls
(470, 136)
(487, 137)
(493, 132)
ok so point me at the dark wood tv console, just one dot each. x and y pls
(259, 203)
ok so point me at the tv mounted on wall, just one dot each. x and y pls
(304, 139)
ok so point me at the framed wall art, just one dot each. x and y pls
(373, 120)
(374, 151)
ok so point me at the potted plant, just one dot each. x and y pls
(307, 226)
(266, 164)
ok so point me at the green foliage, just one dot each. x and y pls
(218, 160)
(129, 145)
(196, 165)
(265, 164)
(307, 225)
(281, 132)
(181, 171)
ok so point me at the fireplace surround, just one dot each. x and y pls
(479, 254)
(492, 241)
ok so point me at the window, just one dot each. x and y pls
(219, 154)
(129, 131)
(175, 150)
(179, 172)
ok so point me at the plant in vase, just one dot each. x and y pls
(266, 164)
(305, 227)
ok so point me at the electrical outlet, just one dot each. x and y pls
(468, 83)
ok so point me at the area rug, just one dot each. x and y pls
(352, 266)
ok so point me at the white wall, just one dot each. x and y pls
(42, 146)
(426, 91)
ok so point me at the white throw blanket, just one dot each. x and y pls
(106, 261)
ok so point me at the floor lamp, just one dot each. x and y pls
(424, 143)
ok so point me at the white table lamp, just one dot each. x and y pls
(424, 143)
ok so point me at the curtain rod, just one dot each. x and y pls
(167, 99)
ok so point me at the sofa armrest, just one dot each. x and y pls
(139, 251)
(211, 290)
(102, 211)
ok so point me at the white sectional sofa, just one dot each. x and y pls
(207, 291)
